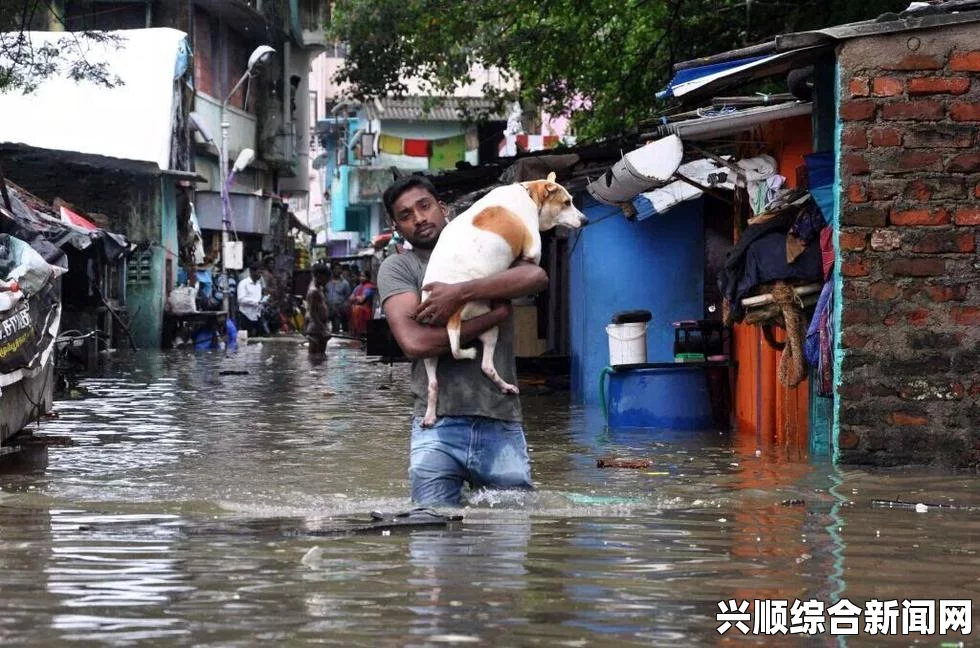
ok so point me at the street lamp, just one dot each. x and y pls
(261, 54)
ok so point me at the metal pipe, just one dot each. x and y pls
(711, 127)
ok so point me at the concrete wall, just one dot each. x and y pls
(656, 264)
(910, 376)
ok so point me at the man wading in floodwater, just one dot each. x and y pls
(478, 436)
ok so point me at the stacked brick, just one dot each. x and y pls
(909, 230)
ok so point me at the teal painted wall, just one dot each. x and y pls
(145, 301)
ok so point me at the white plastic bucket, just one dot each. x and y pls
(627, 343)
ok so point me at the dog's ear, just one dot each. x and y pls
(551, 177)
(551, 188)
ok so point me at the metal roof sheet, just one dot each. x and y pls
(433, 109)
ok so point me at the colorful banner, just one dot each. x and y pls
(447, 152)
(391, 144)
(417, 147)
(25, 333)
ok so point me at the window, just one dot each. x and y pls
(139, 268)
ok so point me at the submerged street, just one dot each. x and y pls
(182, 515)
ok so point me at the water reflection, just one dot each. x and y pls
(182, 515)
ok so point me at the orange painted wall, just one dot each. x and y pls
(785, 412)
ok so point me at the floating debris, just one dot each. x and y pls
(623, 462)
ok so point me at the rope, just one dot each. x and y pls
(792, 369)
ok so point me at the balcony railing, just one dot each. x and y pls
(242, 126)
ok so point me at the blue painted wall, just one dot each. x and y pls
(655, 264)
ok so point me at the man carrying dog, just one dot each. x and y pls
(478, 436)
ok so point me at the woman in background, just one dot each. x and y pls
(362, 305)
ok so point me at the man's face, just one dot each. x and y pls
(419, 217)
(253, 273)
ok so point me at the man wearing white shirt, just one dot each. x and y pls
(250, 302)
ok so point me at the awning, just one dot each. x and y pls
(295, 223)
(706, 80)
(34, 219)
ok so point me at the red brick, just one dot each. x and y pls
(915, 217)
(855, 316)
(855, 391)
(855, 137)
(858, 87)
(887, 87)
(966, 315)
(892, 318)
(967, 216)
(886, 137)
(857, 192)
(976, 192)
(884, 240)
(945, 242)
(964, 111)
(857, 109)
(853, 290)
(918, 317)
(947, 293)
(917, 110)
(899, 161)
(883, 291)
(941, 135)
(847, 439)
(916, 267)
(939, 85)
(965, 61)
(855, 164)
(906, 418)
(854, 241)
(864, 217)
(916, 62)
(964, 163)
(855, 268)
(885, 189)
(853, 340)
(975, 389)
(919, 190)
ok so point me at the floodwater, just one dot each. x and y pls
(190, 512)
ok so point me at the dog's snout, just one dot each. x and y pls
(584, 220)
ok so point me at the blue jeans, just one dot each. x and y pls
(474, 449)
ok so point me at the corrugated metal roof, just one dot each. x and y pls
(432, 109)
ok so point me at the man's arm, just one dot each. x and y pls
(521, 279)
(420, 341)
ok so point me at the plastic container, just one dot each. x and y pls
(677, 398)
(627, 343)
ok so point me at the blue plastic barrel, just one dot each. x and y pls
(671, 398)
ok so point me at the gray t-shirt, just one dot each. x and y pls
(463, 388)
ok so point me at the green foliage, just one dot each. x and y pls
(616, 55)
(24, 63)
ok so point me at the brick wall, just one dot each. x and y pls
(910, 221)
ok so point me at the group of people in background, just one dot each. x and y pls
(333, 306)
(340, 301)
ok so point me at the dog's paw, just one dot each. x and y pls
(428, 421)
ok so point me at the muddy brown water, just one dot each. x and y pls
(180, 517)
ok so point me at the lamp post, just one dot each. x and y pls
(260, 55)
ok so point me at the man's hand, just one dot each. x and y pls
(444, 301)
(504, 306)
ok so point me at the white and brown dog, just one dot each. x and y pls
(486, 239)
